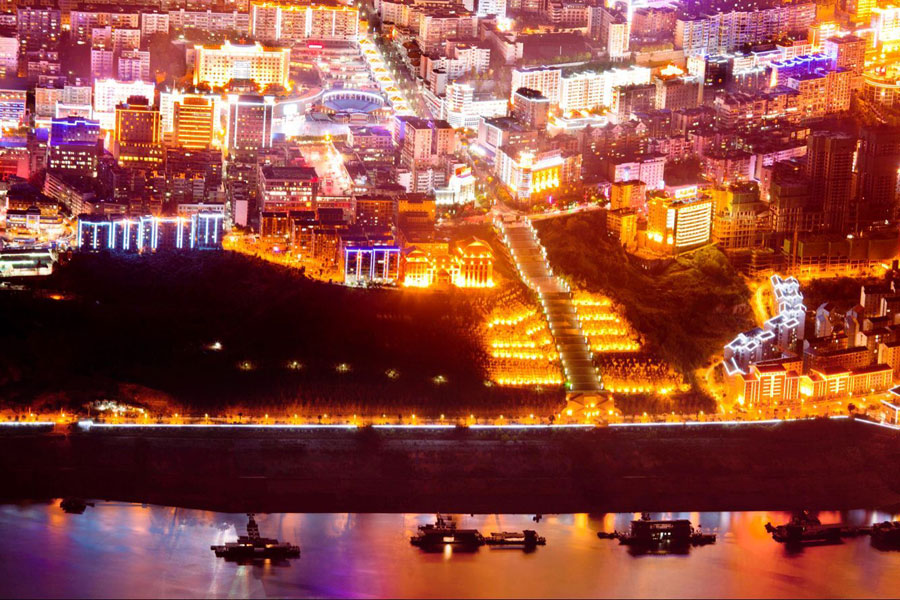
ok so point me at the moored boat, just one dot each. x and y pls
(445, 532)
(804, 528)
(526, 539)
(661, 534)
(254, 547)
(886, 534)
(74, 506)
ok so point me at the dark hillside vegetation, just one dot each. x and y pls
(288, 344)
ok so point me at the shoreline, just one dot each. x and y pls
(826, 465)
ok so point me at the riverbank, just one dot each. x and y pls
(837, 464)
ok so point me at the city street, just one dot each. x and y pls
(391, 79)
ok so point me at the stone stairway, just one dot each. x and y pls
(530, 259)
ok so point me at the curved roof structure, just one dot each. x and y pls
(352, 101)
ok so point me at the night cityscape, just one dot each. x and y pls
(450, 298)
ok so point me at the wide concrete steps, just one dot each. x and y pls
(559, 310)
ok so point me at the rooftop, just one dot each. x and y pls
(271, 172)
(530, 94)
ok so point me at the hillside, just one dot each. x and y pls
(216, 332)
(685, 310)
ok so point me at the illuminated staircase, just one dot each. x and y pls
(530, 259)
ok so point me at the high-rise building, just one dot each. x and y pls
(134, 65)
(847, 52)
(75, 146)
(102, 63)
(47, 99)
(458, 59)
(780, 71)
(878, 165)
(590, 89)
(649, 168)
(223, 20)
(38, 29)
(41, 66)
(674, 92)
(425, 146)
(859, 11)
(676, 224)
(611, 28)
(886, 28)
(438, 25)
(217, 65)
(288, 23)
(193, 175)
(722, 32)
(9, 56)
(491, 8)
(546, 80)
(249, 122)
(376, 211)
(463, 107)
(286, 189)
(529, 171)
(109, 93)
(101, 37)
(137, 141)
(125, 39)
(628, 195)
(82, 22)
(152, 22)
(653, 22)
(494, 133)
(829, 168)
(631, 99)
(792, 209)
(569, 13)
(194, 122)
(169, 97)
(84, 19)
(13, 102)
(424, 140)
(531, 108)
(741, 219)
(822, 92)
(581, 91)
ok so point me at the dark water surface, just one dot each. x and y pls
(128, 550)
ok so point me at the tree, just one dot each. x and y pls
(166, 57)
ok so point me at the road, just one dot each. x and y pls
(385, 75)
(578, 208)
(390, 71)
(10, 418)
(760, 301)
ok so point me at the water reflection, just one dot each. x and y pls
(152, 551)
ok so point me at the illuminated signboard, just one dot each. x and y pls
(686, 192)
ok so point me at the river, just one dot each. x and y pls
(126, 550)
